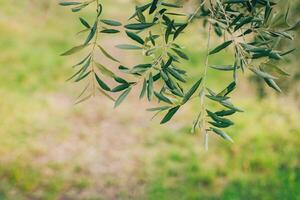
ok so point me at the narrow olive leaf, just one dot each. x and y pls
(162, 108)
(170, 115)
(105, 71)
(140, 15)
(82, 61)
(218, 119)
(82, 77)
(228, 89)
(101, 83)
(83, 70)
(242, 22)
(190, 93)
(73, 3)
(222, 134)
(111, 22)
(73, 50)
(128, 47)
(171, 5)
(138, 26)
(105, 94)
(287, 52)
(107, 54)
(122, 97)
(84, 23)
(74, 75)
(120, 80)
(163, 98)
(223, 67)
(80, 7)
(179, 30)
(225, 113)
(110, 31)
(120, 88)
(153, 6)
(140, 9)
(83, 99)
(83, 91)
(235, 1)
(144, 88)
(229, 105)
(262, 74)
(276, 68)
(135, 37)
(271, 83)
(169, 31)
(150, 87)
(176, 75)
(91, 34)
(220, 124)
(217, 98)
(220, 47)
(180, 54)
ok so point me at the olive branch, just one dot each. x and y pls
(250, 27)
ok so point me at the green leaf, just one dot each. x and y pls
(170, 115)
(180, 54)
(153, 6)
(105, 71)
(262, 74)
(222, 134)
(222, 67)
(276, 68)
(225, 113)
(102, 84)
(122, 97)
(120, 88)
(162, 108)
(128, 47)
(176, 75)
(229, 105)
(220, 47)
(83, 76)
(138, 26)
(73, 3)
(110, 31)
(171, 5)
(218, 119)
(84, 23)
(105, 94)
(91, 34)
(144, 88)
(243, 21)
(169, 31)
(111, 22)
(217, 98)
(73, 50)
(163, 98)
(179, 30)
(228, 89)
(107, 54)
(135, 37)
(190, 93)
(271, 83)
(150, 87)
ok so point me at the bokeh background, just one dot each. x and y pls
(53, 149)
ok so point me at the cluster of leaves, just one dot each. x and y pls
(249, 27)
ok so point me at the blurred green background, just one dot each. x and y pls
(53, 149)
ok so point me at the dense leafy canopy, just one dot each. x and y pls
(249, 27)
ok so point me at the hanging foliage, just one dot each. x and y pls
(249, 28)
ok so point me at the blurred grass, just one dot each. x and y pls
(38, 120)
